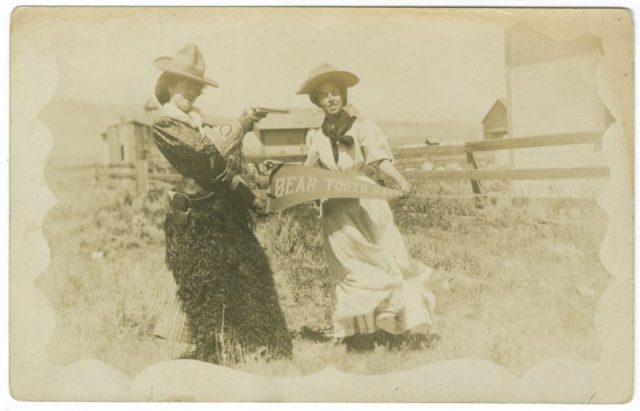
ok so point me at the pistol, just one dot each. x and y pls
(266, 110)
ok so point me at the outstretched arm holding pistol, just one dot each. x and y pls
(254, 114)
(248, 119)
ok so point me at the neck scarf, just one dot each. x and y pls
(193, 118)
(337, 131)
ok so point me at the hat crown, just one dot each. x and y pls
(187, 63)
(189, 59)
(321, 69)
(327, 72)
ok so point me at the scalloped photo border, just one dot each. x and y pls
(557, 380)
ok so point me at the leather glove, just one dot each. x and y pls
(260, 207)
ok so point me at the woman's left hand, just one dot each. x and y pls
(260, 207)
(387, 167)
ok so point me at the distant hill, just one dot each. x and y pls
(402, 133)
(77, 126)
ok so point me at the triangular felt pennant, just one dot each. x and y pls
(294, 184)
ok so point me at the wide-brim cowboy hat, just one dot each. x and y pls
(187, 63)
(324, 73)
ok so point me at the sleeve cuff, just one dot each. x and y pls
(247, 197)
(226, 136)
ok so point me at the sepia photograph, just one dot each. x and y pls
(321, 204)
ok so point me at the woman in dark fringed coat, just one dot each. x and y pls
(225, 285)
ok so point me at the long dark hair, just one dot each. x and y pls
(165, 81)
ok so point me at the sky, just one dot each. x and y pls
(413, 65)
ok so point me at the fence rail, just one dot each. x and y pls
(537, 141)
(502, 144)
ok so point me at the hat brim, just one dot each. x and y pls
(345, 78)
(164, 64)
(162, 90)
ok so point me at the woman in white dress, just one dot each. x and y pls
(381, 290)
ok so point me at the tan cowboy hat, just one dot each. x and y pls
(325, 72)
(187, 63)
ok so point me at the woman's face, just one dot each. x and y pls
(184, 93)
(330, 99)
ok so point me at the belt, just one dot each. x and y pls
(182, 203)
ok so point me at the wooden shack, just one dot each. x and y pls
(128, 140)
(551, 90)
(495, 126)
(122, 140)
(287, 130)
(494, 123)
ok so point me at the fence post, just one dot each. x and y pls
(475, 184)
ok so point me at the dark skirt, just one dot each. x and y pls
(225, 284)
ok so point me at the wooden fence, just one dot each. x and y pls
(413, 157)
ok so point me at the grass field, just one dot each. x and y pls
(515, 282)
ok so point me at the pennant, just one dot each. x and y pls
(294, 184)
